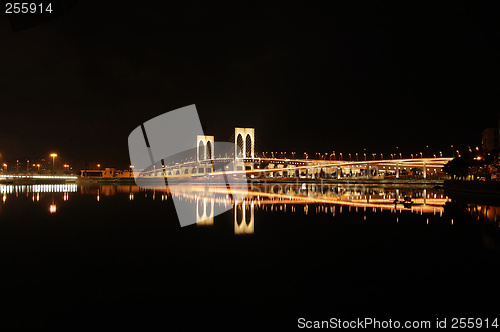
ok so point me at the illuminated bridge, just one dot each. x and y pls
(244, 162)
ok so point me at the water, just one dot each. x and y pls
(98, 257)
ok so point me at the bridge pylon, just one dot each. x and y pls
(244, 139)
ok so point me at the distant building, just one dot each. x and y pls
(490, 139)
(108, 172)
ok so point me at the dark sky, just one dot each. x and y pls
(308, 76)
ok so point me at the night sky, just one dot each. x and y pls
(308, 76)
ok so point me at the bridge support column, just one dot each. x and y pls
(312, 173)
(397, 170)
(338, 172)
(425, 170)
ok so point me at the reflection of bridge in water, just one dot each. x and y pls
(305, 198)
(326, 198)
(245, 160)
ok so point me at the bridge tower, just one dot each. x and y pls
(244, 139)
(204, 148)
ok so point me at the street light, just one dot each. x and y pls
(53, 155)
(5, 165)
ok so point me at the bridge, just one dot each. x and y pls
(244, 162)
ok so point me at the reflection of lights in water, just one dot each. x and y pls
(204, 211)
(65, 196)
(452, 221)
(272, 201)
(52, 208)
(131, 197)
(37, 196)
(244, 218)
(4, 198)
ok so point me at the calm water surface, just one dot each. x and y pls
(108, 256)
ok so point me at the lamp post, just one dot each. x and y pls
(53, 155)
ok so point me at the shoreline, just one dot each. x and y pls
(484, 188)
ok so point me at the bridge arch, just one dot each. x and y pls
(248, 146)
(201, 151)
(209, 147)
(240, 146)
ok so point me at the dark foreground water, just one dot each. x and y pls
(114, 257)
